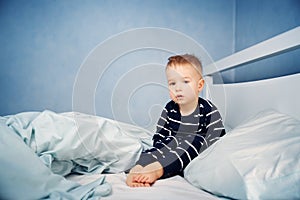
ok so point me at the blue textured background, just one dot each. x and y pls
(44, 43)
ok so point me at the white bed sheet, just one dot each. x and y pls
(175, 188)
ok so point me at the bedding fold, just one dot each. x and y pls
(39, 148)
(24, 176)
(76, 142)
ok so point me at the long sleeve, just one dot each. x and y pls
(165, 126)
(179, 139)
(162, 128)
(211, 124)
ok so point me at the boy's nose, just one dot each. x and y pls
(178, 87)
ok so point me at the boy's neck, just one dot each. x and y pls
(188, 109)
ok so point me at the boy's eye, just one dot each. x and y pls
(172, 83)
(186, 81)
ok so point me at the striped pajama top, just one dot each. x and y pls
(179, 139)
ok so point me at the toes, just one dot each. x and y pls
(147, 185)
(145, 179)
(136, 184)
(142, 178)
(137, 177)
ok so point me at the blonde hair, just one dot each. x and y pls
(185, 60)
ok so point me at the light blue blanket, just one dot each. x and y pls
(64, 143)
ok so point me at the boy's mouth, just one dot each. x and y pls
(179, 96)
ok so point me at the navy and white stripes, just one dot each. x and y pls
(179, 139)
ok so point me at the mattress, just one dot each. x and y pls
(172, 188)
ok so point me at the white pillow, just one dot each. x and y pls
(259, 159)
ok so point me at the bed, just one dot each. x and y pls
(258, 158)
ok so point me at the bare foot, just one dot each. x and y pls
(149, 174)
(134, 172)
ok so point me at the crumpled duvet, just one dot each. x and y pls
(39, 148)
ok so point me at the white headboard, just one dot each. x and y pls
(239, 101)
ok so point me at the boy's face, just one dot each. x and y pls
(184, 84)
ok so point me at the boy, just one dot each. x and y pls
(187, 126)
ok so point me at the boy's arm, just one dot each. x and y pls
(162, 127)
(214, 125)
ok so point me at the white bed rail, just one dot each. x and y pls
(236, 100)
(280, 43)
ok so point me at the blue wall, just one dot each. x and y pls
(257, 21)
(44, 43)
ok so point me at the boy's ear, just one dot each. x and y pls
(200, 84)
